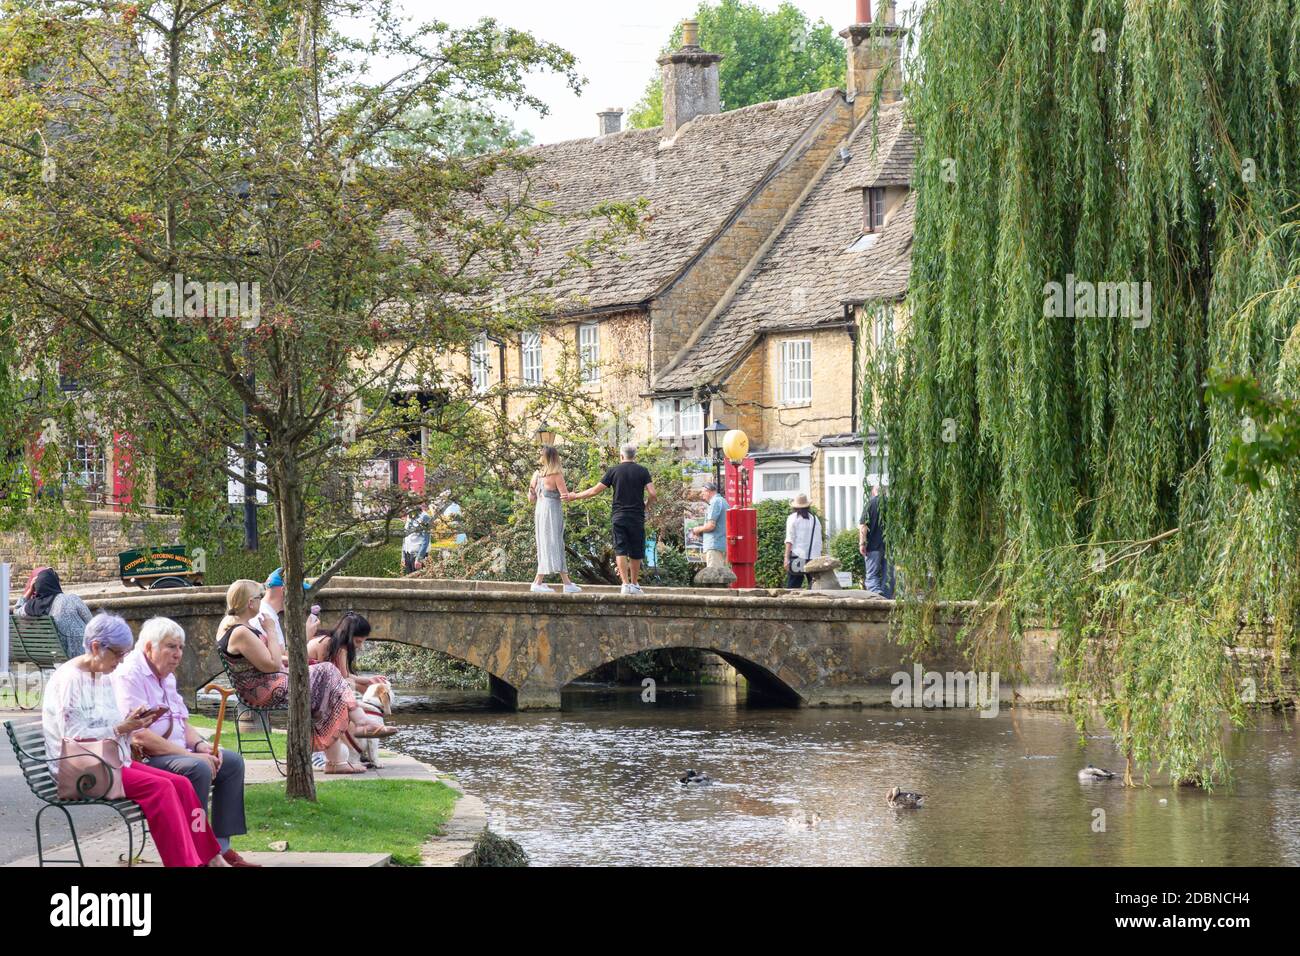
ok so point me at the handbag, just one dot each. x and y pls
(90, 769)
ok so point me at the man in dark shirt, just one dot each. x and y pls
(871, 544)
(632, 486)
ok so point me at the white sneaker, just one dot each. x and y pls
(636, 589)
(572, 589)
(542, 589)
(626, 589)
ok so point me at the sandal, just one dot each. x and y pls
(331, 768)
(365, 733)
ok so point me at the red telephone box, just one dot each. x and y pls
(742, 523)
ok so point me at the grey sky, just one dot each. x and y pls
(616, 44)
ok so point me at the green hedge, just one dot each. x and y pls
(231, 562)
(844, 548)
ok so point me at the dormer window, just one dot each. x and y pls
(873, 208)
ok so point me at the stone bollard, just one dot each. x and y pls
(822, 573)
(715, 578)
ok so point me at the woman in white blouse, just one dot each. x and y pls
(79, 702)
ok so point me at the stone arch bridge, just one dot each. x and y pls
(795, 648)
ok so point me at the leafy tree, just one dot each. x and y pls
(1070, 470)
(225, 143)
(767, 56)
(457, 128)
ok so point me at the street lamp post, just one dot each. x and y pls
(713, 436)
(545, 434)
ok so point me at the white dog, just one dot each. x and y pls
(378, 702)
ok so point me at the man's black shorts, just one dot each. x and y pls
(629, 536)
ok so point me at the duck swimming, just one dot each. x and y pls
(692, 778)
(1095, 773)
(904, 799)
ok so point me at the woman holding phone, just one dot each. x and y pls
(80, 704)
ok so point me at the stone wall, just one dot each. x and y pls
(94, 557)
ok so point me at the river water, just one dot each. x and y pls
(597, 784)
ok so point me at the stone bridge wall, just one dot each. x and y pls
(802, 649)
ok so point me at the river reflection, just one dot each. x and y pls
(597, 784)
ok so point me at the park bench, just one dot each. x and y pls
(28, 741)
(33, 641)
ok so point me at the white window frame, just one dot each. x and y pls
(666, 417)
(842, 488)
(589, 352)
(804, 472)
(530, 358)
(480, 364)
(692, 419)
(796, 372)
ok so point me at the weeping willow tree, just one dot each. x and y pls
(1055, 452)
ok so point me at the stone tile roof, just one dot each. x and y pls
(692, 185)
(809, 273)
(891, 163)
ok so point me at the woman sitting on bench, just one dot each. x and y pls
(80, 703)
(44, 597)
(253, 656)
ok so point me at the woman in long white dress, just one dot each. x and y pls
(544, 492)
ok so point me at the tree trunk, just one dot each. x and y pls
(291, 521)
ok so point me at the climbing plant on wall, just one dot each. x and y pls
(1106, 224)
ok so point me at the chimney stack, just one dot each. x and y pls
(690, 81)
(611, 120)
(874, 47)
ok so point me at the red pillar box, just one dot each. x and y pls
(742, 523)
(742, 545)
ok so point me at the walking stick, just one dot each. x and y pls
(221, 713)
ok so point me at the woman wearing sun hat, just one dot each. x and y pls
(803, 540)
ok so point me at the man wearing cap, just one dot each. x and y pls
(273, 606)
(713, 533)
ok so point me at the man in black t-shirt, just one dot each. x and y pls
(871, 545)
(632, 486)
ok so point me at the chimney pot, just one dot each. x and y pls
(873, 48)
(611, 120)
(690, 82)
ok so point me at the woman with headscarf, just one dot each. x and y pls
(80, 704)
(44, 597)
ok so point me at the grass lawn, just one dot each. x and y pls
(353, 816)
(254, 738)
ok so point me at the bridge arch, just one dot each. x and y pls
(762, 683)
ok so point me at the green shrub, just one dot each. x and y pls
(494, 850)
(421, 666)
(229, 562)
(844, 548)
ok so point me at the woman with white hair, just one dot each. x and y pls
(147, 678)
(80, 704)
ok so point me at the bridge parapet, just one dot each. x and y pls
(798, 647)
